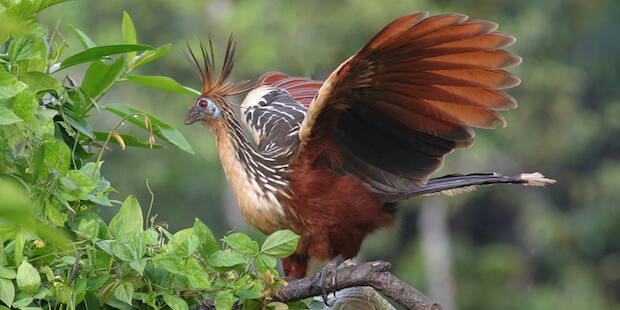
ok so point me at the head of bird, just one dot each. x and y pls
(213, 105)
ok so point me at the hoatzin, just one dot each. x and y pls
(332, 158)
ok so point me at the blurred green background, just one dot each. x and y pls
(506, 247)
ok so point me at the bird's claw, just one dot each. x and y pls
(329, 270)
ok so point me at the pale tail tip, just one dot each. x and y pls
(535, 179)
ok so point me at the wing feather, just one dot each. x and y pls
(390, 113)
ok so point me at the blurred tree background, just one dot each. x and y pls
(505, 247)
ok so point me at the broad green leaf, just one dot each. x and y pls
(23, 303)
(149, 237)
(7, 116)
(176, 303)
(226, 259)
(265, 262)
(129, 34)
(122, 251)
(7, 230)
(128, 222)
(250, 291)
(137, 246)
(242, 243)
(7, 273)
(281, 243)
(100, 52)
(195, 276)
(169, 262)
(28, 279)
(208, 245)
(75, 185)
(160, 129)
(100, 76)
(190, 244)
(39, 81)
(89, 229)
(7, 291)
(51, 153)
(148, 56)
(224, 300)
(124, 292)
(129, 140)
(84, 39)
(139, 265)
(9, 85)
(25, 105)
(21, 49)
(162, 82)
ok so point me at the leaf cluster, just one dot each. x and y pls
(55, 252)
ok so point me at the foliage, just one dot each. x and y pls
(55, 252)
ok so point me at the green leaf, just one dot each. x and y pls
(7, 291)
(39, 81)
(43, 4)
(169, 262)
(122, 251)
(226, 259)
(100, 76)
(149, 56)
(75, 185)
(139, 265)
(7, 273)
(21, 49)
(163, 83)
(129, 34)
(281, 243)
(51, 153)
(160, 129)
(8, 230)
(150, 237)
(190, 244)
(265, 262)
(224, 300)
(23, 303)
(128, 222)
(250, 291)
(9, 85)
(175, 303)
(195, 276)
(100, 52)
(208, 245)
(84, 39)
(7, 116)
(124, 292)
(28, 279)
(242, 243)
(89, 229)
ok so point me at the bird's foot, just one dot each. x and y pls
(329, 270)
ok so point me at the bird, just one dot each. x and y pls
(330, 159)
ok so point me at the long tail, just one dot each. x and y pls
(459, 183)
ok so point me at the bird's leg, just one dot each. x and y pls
(329, 270)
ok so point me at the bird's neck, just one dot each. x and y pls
(248, 173)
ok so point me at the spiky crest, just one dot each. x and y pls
(210, 86)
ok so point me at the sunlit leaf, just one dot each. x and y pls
(9, 85)
(75, 185)
(242, 243)
(124, 292)
(128, 222)
(281, 243)
(226, 259)
(150, 55)
(100, 52)
(162, 82)
(7, 116)
(224, 300)
(129, 34)
(99, 76)
(28, 279)
(39, 81)
(175, 303)
(84, 39)
(7, 291)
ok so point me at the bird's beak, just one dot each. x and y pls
(193, 115)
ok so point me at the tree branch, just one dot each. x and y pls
(375, 274)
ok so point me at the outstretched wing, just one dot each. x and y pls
(391, 112)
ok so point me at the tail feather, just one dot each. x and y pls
(459, 183)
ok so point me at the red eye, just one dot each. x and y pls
(203, 103)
